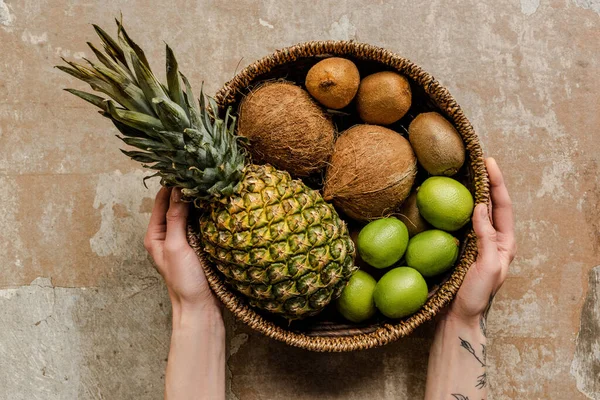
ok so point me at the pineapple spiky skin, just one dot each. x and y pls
(279, 243)
(273, 238)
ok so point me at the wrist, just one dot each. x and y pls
(196, 316)
(472, 323)
(457, 359)
(458, 316)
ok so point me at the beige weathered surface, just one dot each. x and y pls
(84, 315)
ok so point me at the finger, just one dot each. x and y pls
(157, 225)
(507, 254)
(503, 274)
(502, 211)
(159, 210)
(487, 259)
(176, 222)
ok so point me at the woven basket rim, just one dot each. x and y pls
(388, 332)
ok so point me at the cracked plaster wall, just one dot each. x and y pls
(84, 315)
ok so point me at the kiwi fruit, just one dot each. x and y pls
(333, 82)
(383, 98)
(409, 214)
(437, 144)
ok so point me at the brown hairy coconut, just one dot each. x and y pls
(286, 128)
(371, 172)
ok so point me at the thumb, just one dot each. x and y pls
(176, 221)
(486, 237)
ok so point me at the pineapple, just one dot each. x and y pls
(273, 238)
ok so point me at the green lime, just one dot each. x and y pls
(445, 203)
(381, 243)
(432, 252)
(356, 303)
(400, 292)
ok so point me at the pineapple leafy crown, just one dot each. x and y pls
(185, 142)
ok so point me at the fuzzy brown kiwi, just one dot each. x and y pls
(333, 82)
(383, 98)
(437, 144)
(371, 172)
(286, 128)
(409, 214)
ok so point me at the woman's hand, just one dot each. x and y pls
(175, 260)
(196, 363)
(496, 247)
(457, 360)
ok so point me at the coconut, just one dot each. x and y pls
(371, 172)
(286, 128)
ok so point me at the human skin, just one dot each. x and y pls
(196, 363)
(457, 360)
(457, 369)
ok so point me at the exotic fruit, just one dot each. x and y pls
(286, 128)
(437, 144)
(371, 173)
(383, 98)
(333, 82)
(275, 239)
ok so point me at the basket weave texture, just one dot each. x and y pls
(337, 337)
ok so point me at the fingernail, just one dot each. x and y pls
(176, 195)
(483, 211)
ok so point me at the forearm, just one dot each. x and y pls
(196, 365)
(457, 367)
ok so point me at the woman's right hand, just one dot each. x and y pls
(175, 260)
(196, 362)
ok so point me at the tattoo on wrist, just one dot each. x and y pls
(459, 396)
(484, 353)
(484, 316)
(466, 345)
(481, 379)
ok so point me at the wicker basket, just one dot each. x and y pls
(325, 332)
